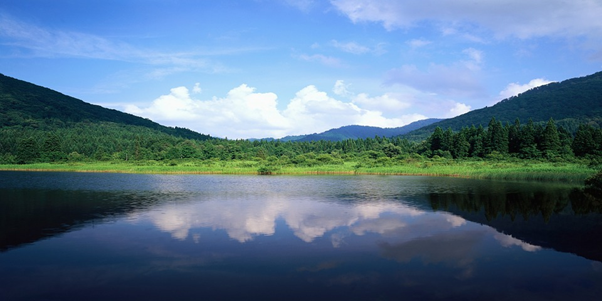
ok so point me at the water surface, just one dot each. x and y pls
(92, 236)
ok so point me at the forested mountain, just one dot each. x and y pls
(26, 105)
(361, 132)
(41, 125)
(570, 103)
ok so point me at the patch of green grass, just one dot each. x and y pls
(502, 170)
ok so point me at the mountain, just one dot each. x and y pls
(570, 102)
(28, 105)
(360, 131)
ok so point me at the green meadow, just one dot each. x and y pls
(502, 170)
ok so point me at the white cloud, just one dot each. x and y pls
(456, 79)
(475, 55)
(43, 42)
(388, 102)
(505, 18)
(458, 109)
(197, 89)
(245, 113)
(355, 48)
(340, 88)
(322, 59)
(418, 43)
(242, 112)
(514, 89)
(351, 47)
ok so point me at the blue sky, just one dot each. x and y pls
(271, 68)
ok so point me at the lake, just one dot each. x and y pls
(103, 236)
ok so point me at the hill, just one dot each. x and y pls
(569, 103)
(30, 106)
(359, 131)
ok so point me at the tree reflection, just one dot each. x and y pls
(28, 215)
(588, 199)
(512, 204)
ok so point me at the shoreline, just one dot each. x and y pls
(530, 171)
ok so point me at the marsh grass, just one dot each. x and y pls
(502, 170)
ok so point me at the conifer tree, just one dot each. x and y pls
(436, 139)
(550, 141)
(584, 142)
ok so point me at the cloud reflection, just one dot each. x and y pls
(243, 220)
(412, 233)
(509, 241)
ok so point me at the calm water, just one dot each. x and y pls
(86, 236)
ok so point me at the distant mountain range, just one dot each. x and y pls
(360, 131)
(569, 103)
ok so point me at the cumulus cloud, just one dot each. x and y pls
(505, 18)
(197, 88)
(245, 113)
(340, 88)
(388, 102)
(514, 89)
(458, 109)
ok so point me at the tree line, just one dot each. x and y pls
(107, 141)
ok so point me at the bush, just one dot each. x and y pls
(264, 170)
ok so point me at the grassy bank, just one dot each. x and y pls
(503, 170)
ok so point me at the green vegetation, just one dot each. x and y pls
(28, 106)
(531, 170)
(570, 103)
(44, 130)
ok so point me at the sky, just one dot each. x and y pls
(241, 69)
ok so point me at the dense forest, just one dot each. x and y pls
(110, 141)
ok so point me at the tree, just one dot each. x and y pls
(584, 142)
(550, 141)
(514, 136)
(27, 151)
(51, 149)
(528, 145)
(391, 150)
(496, 138)
(436, 139)
(461, 146)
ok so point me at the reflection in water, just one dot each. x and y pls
(307, 219)
(542, 217)
(231, 237)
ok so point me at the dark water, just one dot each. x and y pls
(86, 236)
